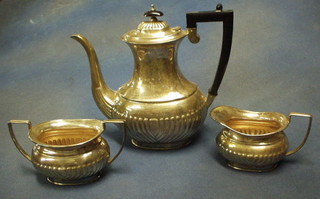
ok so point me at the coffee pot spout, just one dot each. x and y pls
(103, 95)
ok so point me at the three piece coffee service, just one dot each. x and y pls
(158, 108)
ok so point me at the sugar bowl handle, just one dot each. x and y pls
(14, 139)
(122, 122)
(307, 133)
(219, 15)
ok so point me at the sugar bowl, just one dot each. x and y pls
(254, 141)
(68, 151)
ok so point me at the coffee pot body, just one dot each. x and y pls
(162, 109)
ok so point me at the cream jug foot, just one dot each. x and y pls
(251, 168)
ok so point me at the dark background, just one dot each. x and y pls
(274, 66)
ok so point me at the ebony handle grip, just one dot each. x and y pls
(219, 15)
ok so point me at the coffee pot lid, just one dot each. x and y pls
(153, 31)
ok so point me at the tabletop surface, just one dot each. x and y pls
(274, 66)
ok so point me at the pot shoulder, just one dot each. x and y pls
(193, 104)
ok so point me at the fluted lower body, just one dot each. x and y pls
(163, 126)
(72, 175)
(165, 132)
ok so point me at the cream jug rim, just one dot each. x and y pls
(223, 114)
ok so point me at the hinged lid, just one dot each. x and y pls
(153, 31)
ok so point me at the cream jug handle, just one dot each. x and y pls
(118, 121)
(14, 139)
(219, 15)
(307, 134)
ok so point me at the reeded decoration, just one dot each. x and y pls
(70, 151)
(254, 141)
(162, 109)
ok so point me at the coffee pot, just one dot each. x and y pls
(162, 109)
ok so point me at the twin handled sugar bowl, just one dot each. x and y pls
(68, 151)
(254, 141)
(162, 109)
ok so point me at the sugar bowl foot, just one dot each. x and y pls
(81, 181)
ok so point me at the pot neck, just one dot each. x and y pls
(155, 61)
(156, 76)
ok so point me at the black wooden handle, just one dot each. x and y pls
(219, 15)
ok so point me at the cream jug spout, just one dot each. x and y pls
(103, 95)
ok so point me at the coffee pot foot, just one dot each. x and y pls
(161, 146)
